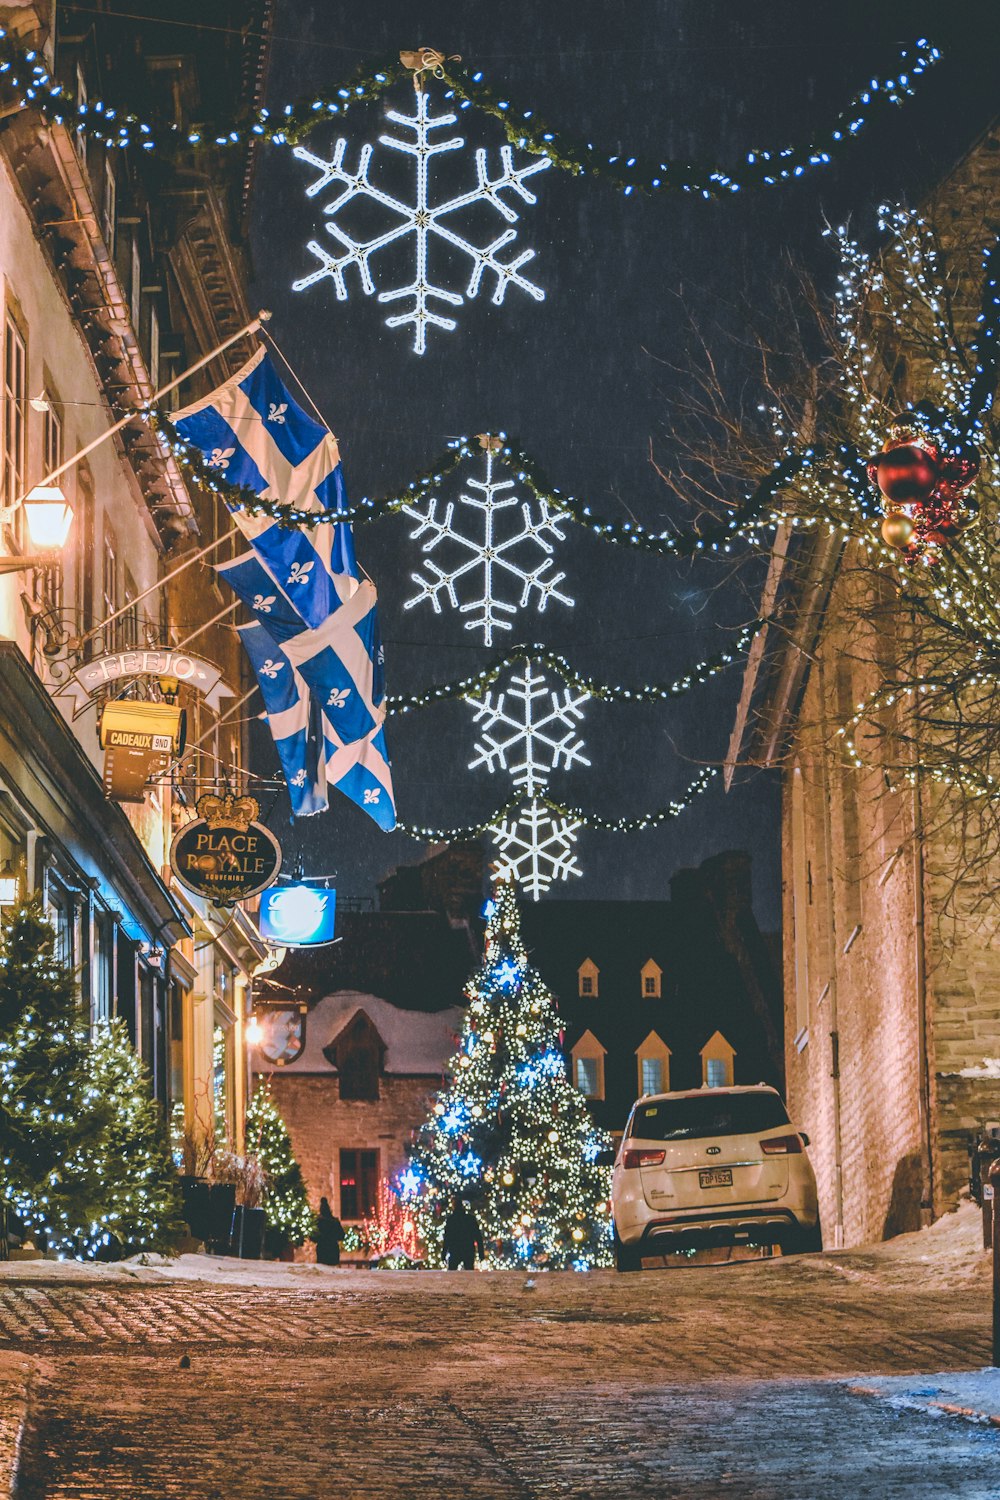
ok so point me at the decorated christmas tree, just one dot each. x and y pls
(85, 1160)
(510, 1135)
(136, 1178)
(290, 1220)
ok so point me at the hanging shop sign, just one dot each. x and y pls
(225, 854)
(138, 739)
(180, 666)
(283, 1033)
(298, 916)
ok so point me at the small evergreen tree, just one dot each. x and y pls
(51, 1118)
(290, 1219)
(137, 1180)
(85, 1153)
(510, 1134)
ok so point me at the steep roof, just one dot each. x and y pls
(415, 1043)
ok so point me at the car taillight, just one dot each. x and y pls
(643, 1158)
(782, 1145)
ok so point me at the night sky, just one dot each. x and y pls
(591, 380)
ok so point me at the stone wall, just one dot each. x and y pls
(321, 1124)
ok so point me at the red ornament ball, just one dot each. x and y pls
(905, 474)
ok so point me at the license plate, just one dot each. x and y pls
(716, 1177)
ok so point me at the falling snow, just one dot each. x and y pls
(423, 220)
(490, 535)
(529, 730)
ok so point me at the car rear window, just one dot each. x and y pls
(706, 1114)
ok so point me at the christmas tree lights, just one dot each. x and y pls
(509, 1134)
(290, 1220)
(86, 1161)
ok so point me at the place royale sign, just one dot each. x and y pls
(225, 855)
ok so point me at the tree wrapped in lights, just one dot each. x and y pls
(290, 1220)
(139, 1189)
(890, 450)
(85, 1154)
(509, 1134)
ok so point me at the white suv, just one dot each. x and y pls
(712, 1167)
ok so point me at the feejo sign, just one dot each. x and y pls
(225, 854)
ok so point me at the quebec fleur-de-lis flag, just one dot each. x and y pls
(314, 644)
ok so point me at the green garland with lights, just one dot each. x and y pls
(680, 544)
(25, 72)
(574, 815)
(468, 687)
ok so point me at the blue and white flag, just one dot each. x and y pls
(314, 617)
(290, 716)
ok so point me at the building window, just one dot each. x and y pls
(587, 1059)
(652, 1075)
(154, 348)
(587, 976)
(109, 589)
(46, 583)
(109, 209)
(586, 1076)
(135, 289)
(359, 1174)
(717, 1062)
(15, 399)
(81, 99)
(652, 976)
(357, 1055)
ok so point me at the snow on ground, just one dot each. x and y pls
(947, 1254)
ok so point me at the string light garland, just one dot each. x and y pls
(25, 71)
(639, 824)
(715, 538)
(608, 692)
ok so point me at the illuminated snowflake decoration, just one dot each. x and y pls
(508, 538)
(536, 848)
(424, 221)
(529, 730)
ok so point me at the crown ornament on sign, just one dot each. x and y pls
(228, 811)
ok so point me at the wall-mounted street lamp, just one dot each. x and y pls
(48, 517)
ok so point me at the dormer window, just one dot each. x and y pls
(717, 1062)
(587, 977)
(653, 1059)
(652, 976)
(588, 1066)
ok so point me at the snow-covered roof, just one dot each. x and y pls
(415, 1041)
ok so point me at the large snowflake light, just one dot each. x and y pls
(529, 731)
(424, 220)
(527, 736)
(536, 848)
(496, 551)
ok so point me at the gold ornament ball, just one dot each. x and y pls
(897, 530)
(553, 1135)
(508, 1179)
(578, 1234)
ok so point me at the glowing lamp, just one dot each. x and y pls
(297, 916)
(9, 884)
(48, 516)
(254, 1031)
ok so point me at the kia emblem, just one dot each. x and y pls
(712, 1150)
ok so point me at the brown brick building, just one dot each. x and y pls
(353, 1095)
(892, 1011)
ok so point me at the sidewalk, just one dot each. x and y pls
(974, 1395)
(15, 1373)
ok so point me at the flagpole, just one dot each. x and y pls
(252, 327)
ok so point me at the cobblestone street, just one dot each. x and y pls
(674, 1383)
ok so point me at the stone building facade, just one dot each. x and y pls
(354, 1095)
(892, 1009)
(116, 275)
